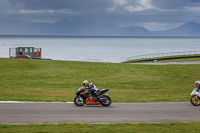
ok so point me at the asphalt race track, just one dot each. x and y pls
(23, 113)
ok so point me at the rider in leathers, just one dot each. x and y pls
(91, 87)
(197, 83)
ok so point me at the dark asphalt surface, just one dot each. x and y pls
(23, 113)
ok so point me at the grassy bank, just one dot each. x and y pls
(177, 58)
(106, 128)
(47, 80)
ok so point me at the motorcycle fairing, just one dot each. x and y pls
(83, 94)
(103, 91)
(91, 101)
(195, 92)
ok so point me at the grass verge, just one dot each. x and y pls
(177, 58)
(106, 128)
(48, 80)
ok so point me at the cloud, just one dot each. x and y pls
(4, 6)
(140, 5)
(137, 6)
(131, 6)
(193, 9)
(77, 5)
(120, 12)
(35, 11)
(120, 2)
(134, 8)
(115, 4)
(22, 11)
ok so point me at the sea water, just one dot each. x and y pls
(98, 49)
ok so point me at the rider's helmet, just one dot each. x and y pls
(85, 83)
(197, 83)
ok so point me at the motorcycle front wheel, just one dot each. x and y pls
(106, 101)
(79, 101)
(195, 101)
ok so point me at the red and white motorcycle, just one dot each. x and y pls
(195, 95)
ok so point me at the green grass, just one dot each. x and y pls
(177, 58)
(181, 60)
(105, 128)
(48, 80)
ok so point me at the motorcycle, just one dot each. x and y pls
(85, 96)
(195, 97)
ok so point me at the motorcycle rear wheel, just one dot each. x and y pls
(79, 100)
(195, 102)
(106, 102)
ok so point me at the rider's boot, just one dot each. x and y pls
(96, 95)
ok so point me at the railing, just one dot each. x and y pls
(163, 55)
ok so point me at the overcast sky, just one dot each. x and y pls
(151, 14)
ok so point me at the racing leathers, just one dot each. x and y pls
(92, 88)
(197, 83)
(198, 88)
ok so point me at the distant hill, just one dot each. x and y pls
(190, 29)
(90, 28)
(134, 31)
